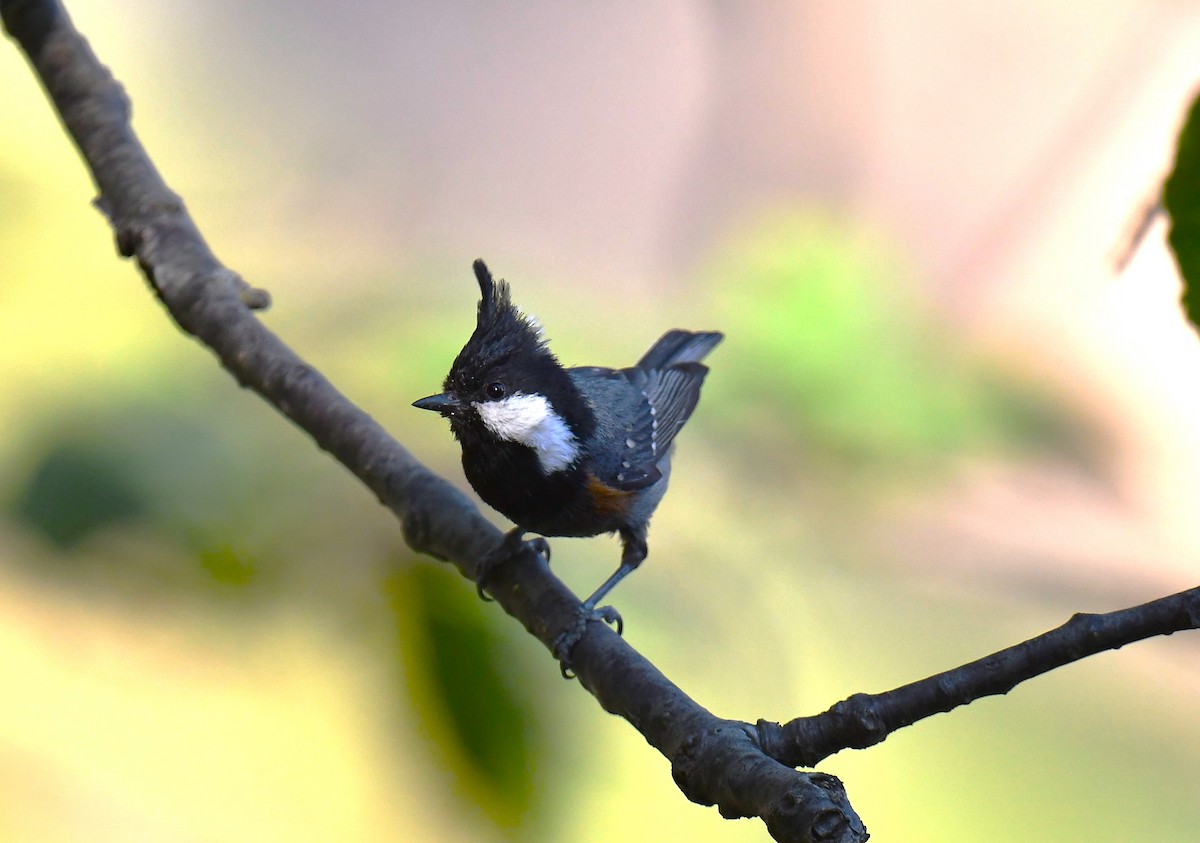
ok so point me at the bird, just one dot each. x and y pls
(562, 451)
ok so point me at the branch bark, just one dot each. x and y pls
(715, 762)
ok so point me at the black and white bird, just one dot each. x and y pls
(567, 452)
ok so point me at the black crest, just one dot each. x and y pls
(502, 333)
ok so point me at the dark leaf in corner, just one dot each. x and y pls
(1181, 197)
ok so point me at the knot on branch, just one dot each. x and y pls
(856, 722)
(816, 813)
(723, 765)
(859, 720)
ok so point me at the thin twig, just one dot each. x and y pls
(864, 720)
(1138, 226)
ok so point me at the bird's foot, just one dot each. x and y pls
(511, 545)
(568, 638)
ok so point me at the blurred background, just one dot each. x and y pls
(940, 423)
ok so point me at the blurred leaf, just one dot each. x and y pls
(462, 676)
(226, 564)
(196, 496)
(828, 350)
(1181, 196)
(74, 491)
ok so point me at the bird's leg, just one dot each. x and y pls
(509, 546)
(632, 554)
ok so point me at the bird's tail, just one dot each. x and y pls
(679, 347)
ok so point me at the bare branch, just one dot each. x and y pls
(864, 720)
(714, 761)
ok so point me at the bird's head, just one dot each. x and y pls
(506, 384)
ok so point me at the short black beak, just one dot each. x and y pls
(444, 404)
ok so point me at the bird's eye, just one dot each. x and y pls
(495, 390)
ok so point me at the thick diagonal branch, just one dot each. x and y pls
(714, 761)
(863, 720)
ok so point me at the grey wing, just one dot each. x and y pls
(624, 452)
(640, 410)
(672, 394)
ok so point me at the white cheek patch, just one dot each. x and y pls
(529, 420)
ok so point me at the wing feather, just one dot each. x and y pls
(673, 394)
(666, 388)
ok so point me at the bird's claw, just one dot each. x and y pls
(541, 547)
(610, 616)
(568, 638)
(480, 582)
(507, 549)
